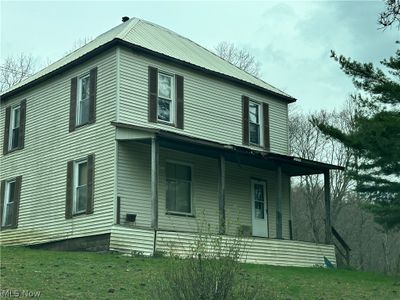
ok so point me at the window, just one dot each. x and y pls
(14, 127)
(82, 115)
(165, 98)
(80, 187)
(15, 123)
(8, 203)
(179, 188)
(165, 103)
(82, 109)
(10, 194)
(254, 123)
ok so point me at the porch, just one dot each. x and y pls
(233, 190)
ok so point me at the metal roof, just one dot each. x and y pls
(157, 39)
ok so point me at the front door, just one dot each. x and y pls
(259, 208)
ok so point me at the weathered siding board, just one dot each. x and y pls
(48, 147)
(218, 103)
(128, 240)
(134, 182)
(254, 250)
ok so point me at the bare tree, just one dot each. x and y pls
(308, 142)
(239, 57)
(391, 14)
(14, 69)
(79, 43)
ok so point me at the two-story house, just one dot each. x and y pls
(136, 138)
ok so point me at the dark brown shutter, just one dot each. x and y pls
(90, 184)
(2, 197)
(72, 105)
(179, 101)
(6, 130)
(21, 141)
(266, 126)
(245, 120)
(92, 95)
(16, 200)
(70, 190)
(153, 94)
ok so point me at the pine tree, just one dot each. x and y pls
(375, 137)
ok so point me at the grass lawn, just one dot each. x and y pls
(83, 275)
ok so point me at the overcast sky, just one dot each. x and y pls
(291, 39)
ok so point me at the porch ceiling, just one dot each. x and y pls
(292, 166)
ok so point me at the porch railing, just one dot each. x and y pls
(341, 246)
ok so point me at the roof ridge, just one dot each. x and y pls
(128, 28)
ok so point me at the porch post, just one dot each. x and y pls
(279, 204)
(221, 194)
(154, 182)
(327, 191)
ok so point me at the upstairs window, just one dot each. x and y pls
(255, 123)
(14, 127)
(165, 98)
(82, 112)
(80, 187)
(179, 188)
(82, 109)
(10, 196)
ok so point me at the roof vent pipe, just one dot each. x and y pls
(124, 19)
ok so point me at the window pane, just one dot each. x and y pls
(84, 111)
(164, 110)
(14, 138)
(254, 133)
(81, 195)
(82, 173)
(183, 172)
(84, 88)
(183, 196)
(259, 210)
(164, 86)
(16, 118)
(8, 214)
(11, 191)
(254, 114)
(171, 195)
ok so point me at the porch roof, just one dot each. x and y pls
(291, 165)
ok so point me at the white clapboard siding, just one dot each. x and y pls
(49, 146)
(212, 107)
(135, 191)
(132, 240)
(253, 250)
(238, 197)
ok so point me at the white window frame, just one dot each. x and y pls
(11, 130)
(191, 213)
(79, 98)
(172, 99)
(260, 124)
(75, 187)
(7, 201)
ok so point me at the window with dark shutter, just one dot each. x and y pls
(10, 199)
(266, 126)
(245, 120)
(83, 100)
(80, 187)
(14, 127)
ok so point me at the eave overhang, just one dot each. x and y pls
(291, 165)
